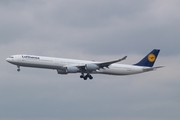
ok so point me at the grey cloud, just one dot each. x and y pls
(65, 97)
(89, 30)
(93, 25)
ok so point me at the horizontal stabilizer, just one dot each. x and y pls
(152, 68)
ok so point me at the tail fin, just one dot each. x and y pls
(150, 59)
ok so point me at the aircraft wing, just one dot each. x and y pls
(107, 64)
(97, 66)
(89, 67)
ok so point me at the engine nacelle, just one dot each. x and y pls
(72, 69)
(67, 70)
(91, 67)
(61, 71)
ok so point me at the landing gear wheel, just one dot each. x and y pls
(90, 77)
(85, 77)
(18, 68)
(82, 76)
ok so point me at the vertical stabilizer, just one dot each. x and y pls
(150, 59)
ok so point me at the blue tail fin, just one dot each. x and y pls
(149, 60)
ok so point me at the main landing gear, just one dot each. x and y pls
(18, 68)
(86, 76)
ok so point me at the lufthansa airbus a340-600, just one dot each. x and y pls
(86, 68)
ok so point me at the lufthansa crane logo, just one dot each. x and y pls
(151, 57)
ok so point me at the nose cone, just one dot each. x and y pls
(8, 59)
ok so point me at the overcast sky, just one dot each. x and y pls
(100, 30)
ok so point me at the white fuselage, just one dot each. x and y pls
(59, 63)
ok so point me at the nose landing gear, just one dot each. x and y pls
(18, 68)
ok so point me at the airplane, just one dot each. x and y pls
(86, 68)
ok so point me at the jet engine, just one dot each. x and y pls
(72, 69)
(61, 71)
(67, 70)
(91, 67)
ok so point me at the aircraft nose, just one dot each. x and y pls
(8, 59)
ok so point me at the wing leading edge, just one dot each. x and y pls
(107, 64)
(97, 66)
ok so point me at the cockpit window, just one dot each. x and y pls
(11, 57)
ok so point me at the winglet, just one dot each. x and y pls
(106, 64)
(123, 58)
(119, 60)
